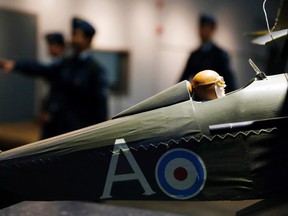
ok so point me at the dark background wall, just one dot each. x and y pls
(17, 40)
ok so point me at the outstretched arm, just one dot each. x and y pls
(7, 65)
(30, 68)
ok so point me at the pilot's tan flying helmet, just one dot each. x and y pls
(208, 85)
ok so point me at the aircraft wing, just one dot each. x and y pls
(264, 39)
(280, 28)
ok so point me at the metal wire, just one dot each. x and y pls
(266, 18)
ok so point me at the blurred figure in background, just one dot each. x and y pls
(56, 49)
(209, 55)
(78, 86)
(55, 44)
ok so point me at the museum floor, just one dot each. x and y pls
(126, 208)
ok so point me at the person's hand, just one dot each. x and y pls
(7, 65)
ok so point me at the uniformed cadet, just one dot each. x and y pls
(55, 44)
(78, 87)
(56, 47)
(209, 56)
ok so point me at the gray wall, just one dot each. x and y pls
(17, 40)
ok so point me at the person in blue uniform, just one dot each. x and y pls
(78, 86)
(209, 56)
(56, 48)
(55, 44)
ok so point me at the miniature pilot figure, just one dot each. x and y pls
(207, 85)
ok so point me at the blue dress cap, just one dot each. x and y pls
(88, 29)
(55, 38)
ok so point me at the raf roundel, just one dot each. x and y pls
(180, 174)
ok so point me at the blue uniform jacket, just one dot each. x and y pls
(78, 91)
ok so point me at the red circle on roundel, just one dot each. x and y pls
(180, 173)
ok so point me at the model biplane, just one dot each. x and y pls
(168, 147)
